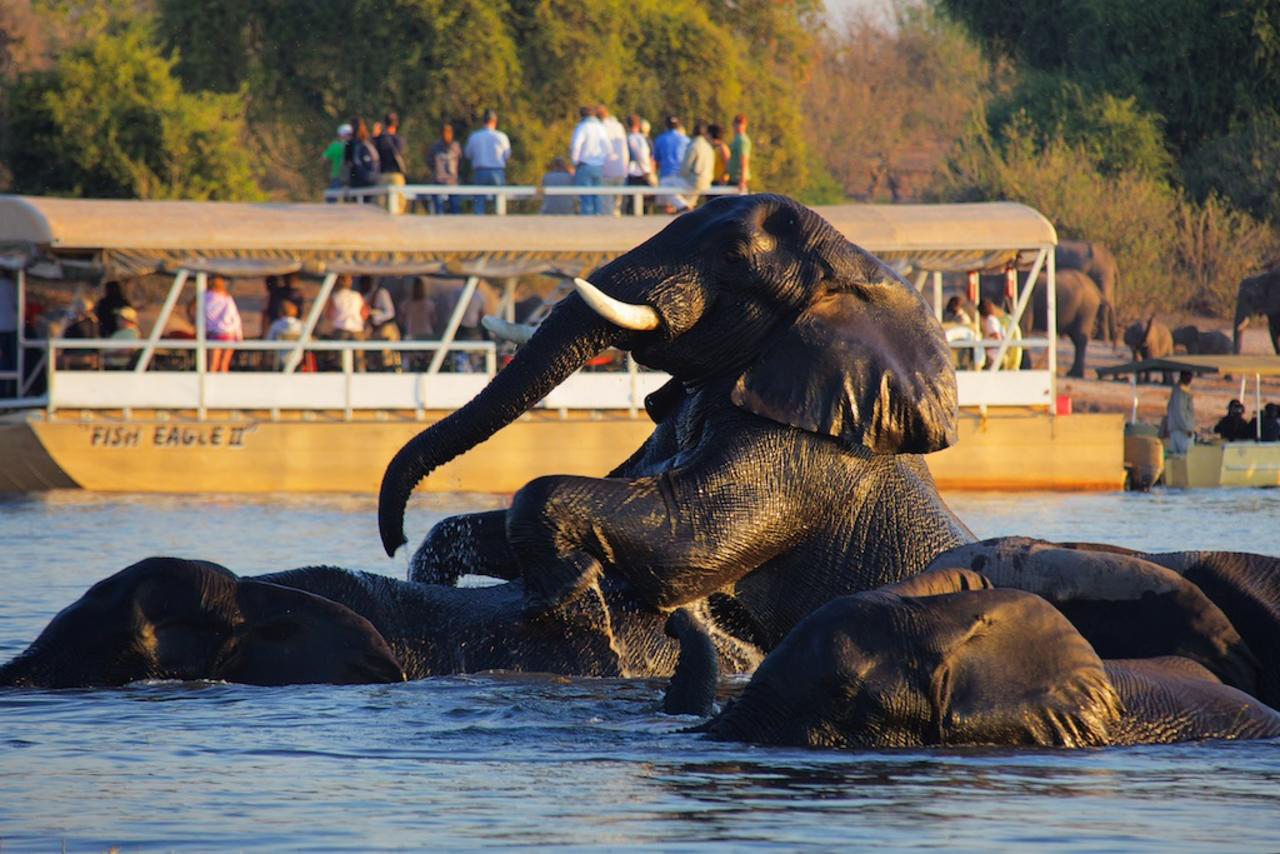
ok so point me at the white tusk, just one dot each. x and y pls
(517, 333)
(640, 318)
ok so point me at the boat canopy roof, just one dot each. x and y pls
(66, 236)
(1263, 366)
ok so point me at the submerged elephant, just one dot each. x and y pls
(1258, 294)
(944, 659)
(167, 618)
(1096, 261)
(781, 472)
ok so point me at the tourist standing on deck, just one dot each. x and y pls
(443, 158)
(588, 150)
(740, 154)
(361, 158)
(639, 155)
(221, 322)
(614, 172)
(1180, 416)
(347, 313)
(715, 136)
(112, 301)
(558, 175)
(336, 154)
(668, 151)
(487, 150)
(391, 167)
(698, 168)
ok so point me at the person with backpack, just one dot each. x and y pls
(391, 166)
(361, 158)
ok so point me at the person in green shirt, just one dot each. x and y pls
(740, 154)
(336, 155)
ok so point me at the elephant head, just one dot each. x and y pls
(756, 292)
(1258, 295)
(942, 662)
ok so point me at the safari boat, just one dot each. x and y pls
(167, 424)
(1216, 463)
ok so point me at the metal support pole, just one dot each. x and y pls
(313, 317)
(20, 281)
(1133, 389)
(922, 276)
(1020, 308)
(1050, 322)
(202, 282)
(500, 204)
(1257, 406)
(937, 295)
(347, 367)
(175, 290)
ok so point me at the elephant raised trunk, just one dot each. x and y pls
(570, 335)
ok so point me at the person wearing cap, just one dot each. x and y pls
(336, 155)
(1232, 427)
(126, 330)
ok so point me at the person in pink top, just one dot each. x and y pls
(221, 322)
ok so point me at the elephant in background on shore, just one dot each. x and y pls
(1258, 294)
(1197, 343)
(783, 468)
(952, 657)
(1096, 261)
(1150, 340)
(1078, 300)
(168, 618)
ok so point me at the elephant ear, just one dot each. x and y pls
(867, 365)
(289, 637)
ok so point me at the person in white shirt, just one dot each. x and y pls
(588, 149)
(990, 327)
(698, 168)
(346, 314)
(286, 327)
(487, 150)
(614, 171)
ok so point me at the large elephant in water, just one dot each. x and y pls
(167, 618)
(781, 472)
(1075, 648)
(1259, 294)
(1096, 261)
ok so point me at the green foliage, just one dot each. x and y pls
(1118, 136)
(1213, 247)
(1243, 165)
(110, 120)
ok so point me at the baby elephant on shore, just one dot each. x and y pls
(1054, 647)
(1149, 340)
(1197, 343)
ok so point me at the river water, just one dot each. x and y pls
(518, 760)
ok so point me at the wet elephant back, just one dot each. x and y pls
(1166, 704)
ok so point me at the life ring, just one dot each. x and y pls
(965, 335)
(1013, 355)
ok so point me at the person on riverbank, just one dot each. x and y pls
(391, 165)
(614, 171)
(740, 154)
(361, 158)
(221, 322)
(557, 175)
(443, 158)
(487, 150)
(698, 169)
(1180, 417)
(588, 150)
(335, 155)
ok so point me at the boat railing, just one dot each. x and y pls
(403, 198)
(396, 377)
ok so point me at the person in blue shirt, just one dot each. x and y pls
(669, 148)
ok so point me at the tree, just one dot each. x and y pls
(110, 120)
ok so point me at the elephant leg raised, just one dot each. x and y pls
(470, 543)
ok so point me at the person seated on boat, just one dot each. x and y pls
(79, 322)
(347, 313)
(1270, 424)
(382, 323)
(112, 301)
(418, 314)
(1233, 427)
(955, 313)
(990, 326)
(280, 290)
(286, 327)
(126, 330)
(1180, 417)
